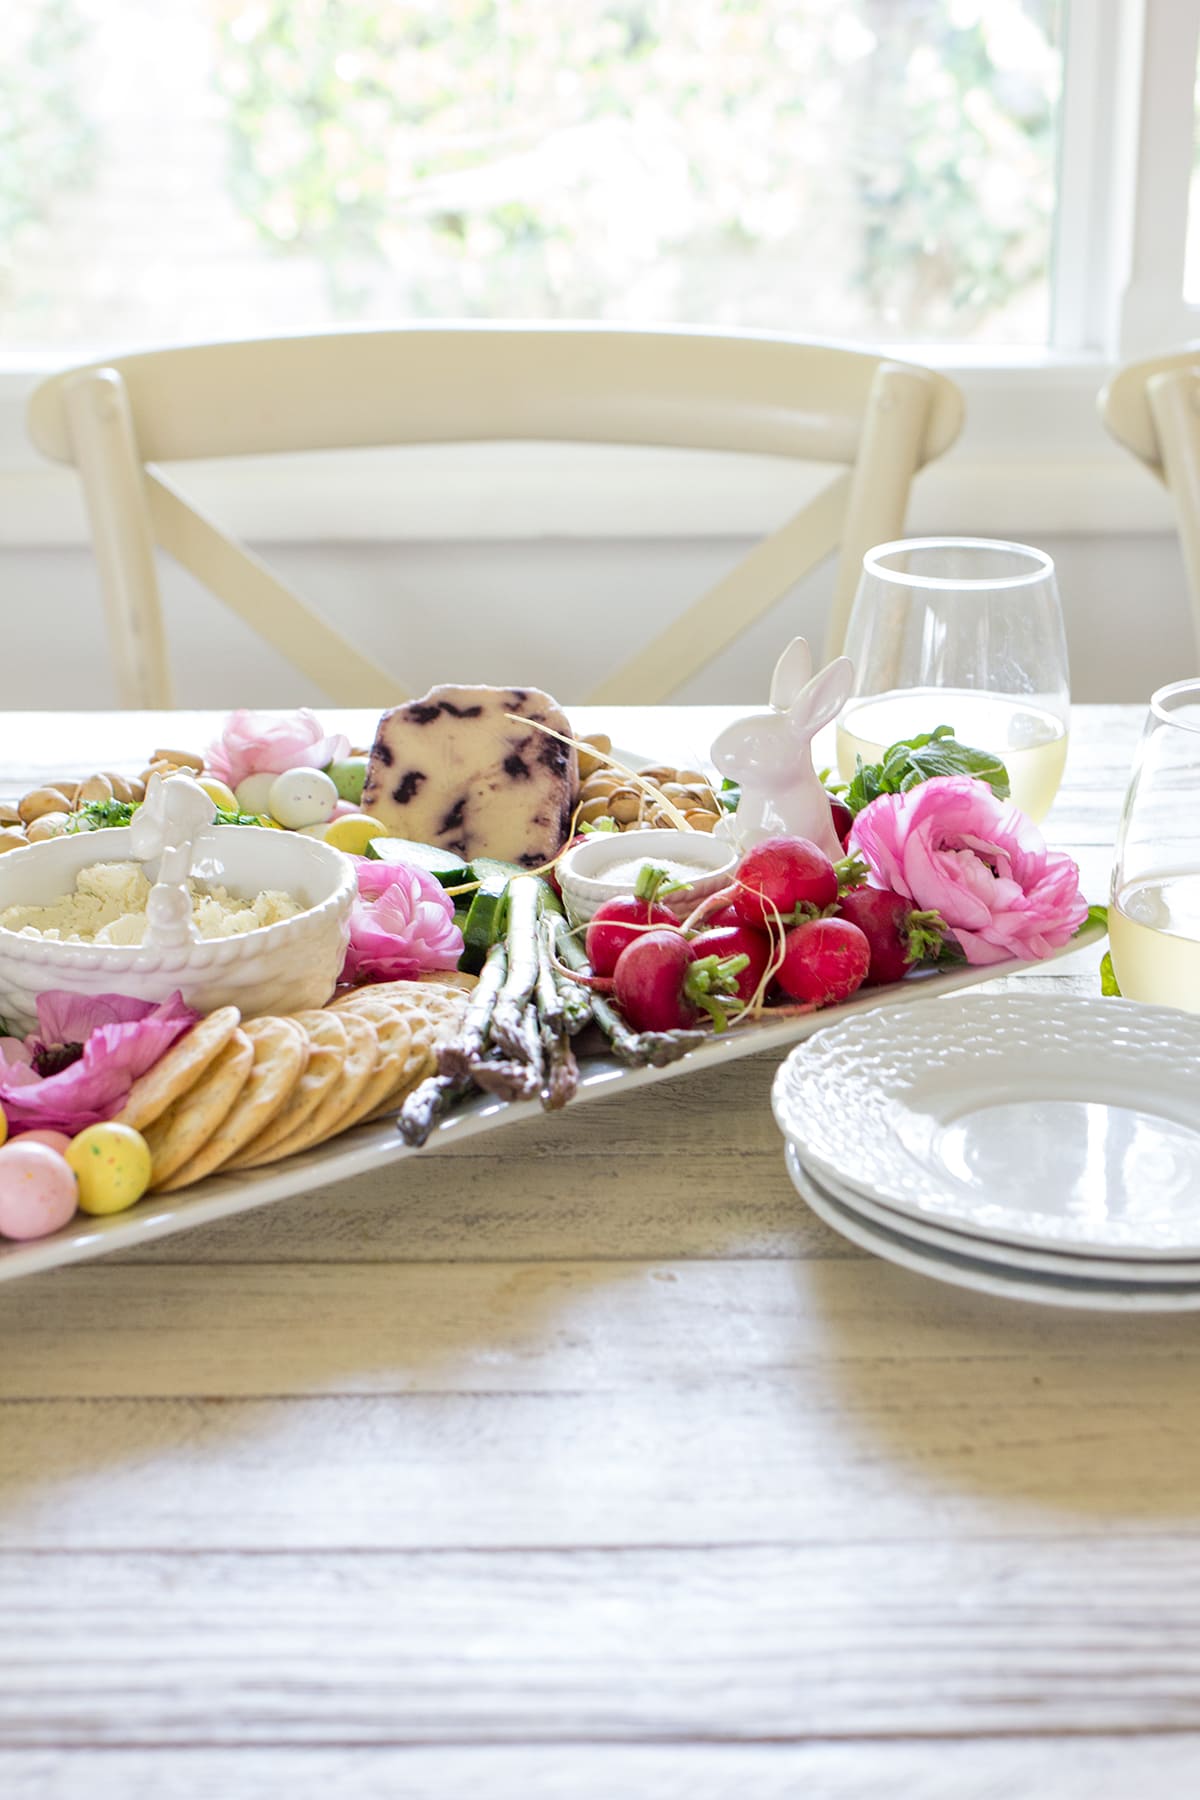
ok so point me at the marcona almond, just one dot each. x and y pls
(588, 764)
(48, 825)
(182, 759)
(12, 838)
(39, 801)
(8, 813)
(96, 787)
(121, 787)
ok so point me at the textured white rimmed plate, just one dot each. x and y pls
(1054, 1122)
(373, 1146)
(1156, 1271)
(984, 1277)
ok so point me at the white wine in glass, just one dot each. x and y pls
(1154, 910)
(966, 632)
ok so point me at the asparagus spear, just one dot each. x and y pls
(458, 1059)
(562, 1070)
(514, 1024)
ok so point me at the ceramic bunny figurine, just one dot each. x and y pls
(163, 827)
(769, 754)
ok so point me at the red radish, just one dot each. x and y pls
(843, 818)
(898, 934)
(660, 986)
(824, 960)
(725, 916)
(616, 924)
(778, 876)
(738, 940)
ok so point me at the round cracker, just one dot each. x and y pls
(179, 1069)
(175, 1137)
(420, 1063)
(395, 1036)
(362, 1059)
(410, 995)
(328, 1045)
(280, 1054)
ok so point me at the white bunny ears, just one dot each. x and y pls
(769, 754)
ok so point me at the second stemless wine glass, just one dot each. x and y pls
(965, 632)
(1154, 914)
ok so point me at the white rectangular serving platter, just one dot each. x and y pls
(370, 1147)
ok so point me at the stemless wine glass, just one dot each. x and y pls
(1154, 914)
(965, 632)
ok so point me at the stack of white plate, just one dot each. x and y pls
(1041, 1147)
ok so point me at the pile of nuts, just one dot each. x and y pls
(45, 812)
(608, 793)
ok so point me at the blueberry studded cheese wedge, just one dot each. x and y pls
(466, 768)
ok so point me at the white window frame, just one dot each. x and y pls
(1033, 457)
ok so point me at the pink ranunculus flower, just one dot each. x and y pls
(79, 1066)
(401, 925)
(951, 846)
(260, 743)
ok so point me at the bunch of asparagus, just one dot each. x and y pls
(515, 1039)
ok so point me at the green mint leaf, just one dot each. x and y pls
(1108, 981)
(911, 761)
(1096, 915)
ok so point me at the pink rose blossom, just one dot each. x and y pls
(260, 743)
(950, 846)
(401, 924)
(48, 1083)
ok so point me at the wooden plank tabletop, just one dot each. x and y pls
(584, 1461)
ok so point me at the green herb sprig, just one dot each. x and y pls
(913, 760)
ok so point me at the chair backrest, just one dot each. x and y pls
(875, 420)
(1153, 408)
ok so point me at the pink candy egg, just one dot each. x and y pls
(53, 1140)
(38, 1191)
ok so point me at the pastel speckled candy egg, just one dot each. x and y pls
(349, 777)
(38, 1192)
(53, 1140)
(253, 795)
(113, 1165)
(301, 797)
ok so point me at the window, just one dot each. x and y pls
(1000, 187)
(867, 169)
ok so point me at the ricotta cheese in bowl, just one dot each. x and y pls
(607, 864)
(108, 906)
(276, 906)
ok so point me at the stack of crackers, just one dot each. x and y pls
(238, 1094)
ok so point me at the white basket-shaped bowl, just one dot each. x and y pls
(586, 884)
(276, 968)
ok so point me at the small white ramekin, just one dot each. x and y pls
(277, 968)
(585, 886)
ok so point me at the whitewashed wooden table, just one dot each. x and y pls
(584, 1462)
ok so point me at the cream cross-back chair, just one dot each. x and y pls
(1152, 407)
(119, 421)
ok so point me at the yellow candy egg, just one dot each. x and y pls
(112, 1165)
(222, 797)
(353, 832)
(3, 1126)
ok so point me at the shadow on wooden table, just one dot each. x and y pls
(1040, 1409)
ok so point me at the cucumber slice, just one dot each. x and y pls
(490, 865)
(449, 868)
(484, 922)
